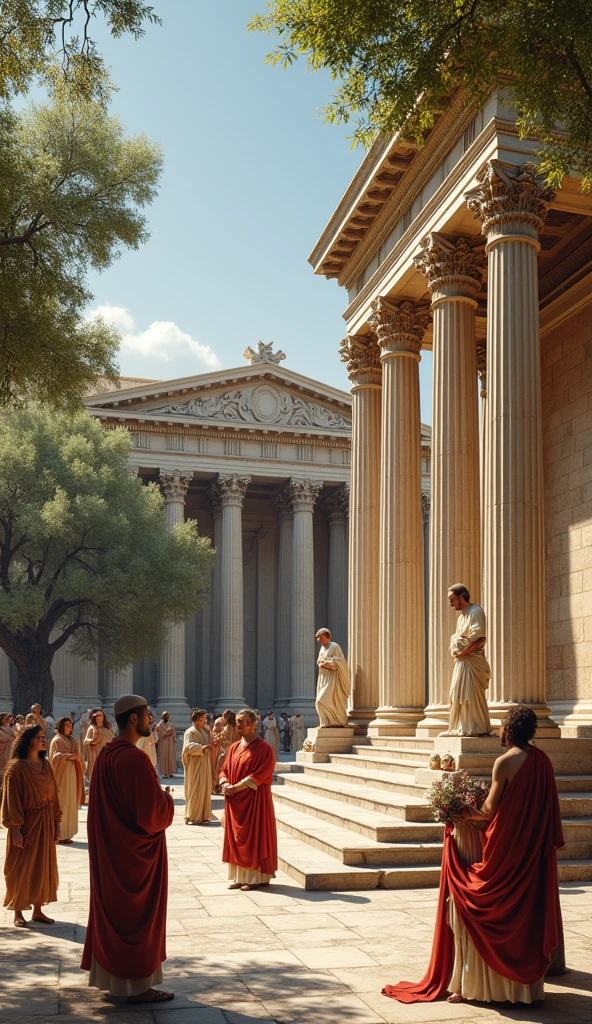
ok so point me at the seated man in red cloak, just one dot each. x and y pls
(128, 812)
(498, 917)
(250, 834)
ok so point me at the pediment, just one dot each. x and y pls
(269, 398)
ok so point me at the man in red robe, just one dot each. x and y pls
(498, 918)
(128, 812)
(250, 833)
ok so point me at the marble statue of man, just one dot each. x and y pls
(333, 683)
(469, 714)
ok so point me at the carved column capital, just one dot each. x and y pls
(515, 196)
(399, 325)
(232, 488)
(174, 484)
(482, 366)
(336, 507)
(282, 503)
(362, 358)
(447, 263)
(303, 494)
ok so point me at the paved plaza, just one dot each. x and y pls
(280, 955)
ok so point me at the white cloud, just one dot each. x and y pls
(162, 340)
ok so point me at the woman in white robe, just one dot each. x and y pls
(271, 733)
(66, 761)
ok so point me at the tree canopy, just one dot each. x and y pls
(44, 41)
(396, 63)
(85, 554)
(72, 189)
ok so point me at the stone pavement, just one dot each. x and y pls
(280, 955)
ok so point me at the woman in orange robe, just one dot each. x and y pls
(31, 813)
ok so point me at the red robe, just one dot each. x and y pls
(128, 812)
(250, 834)
(509, 902)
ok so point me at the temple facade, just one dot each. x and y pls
(260, 457)
(459, 247)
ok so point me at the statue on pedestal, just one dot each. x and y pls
(469, 714)
(333, 685)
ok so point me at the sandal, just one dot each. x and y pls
(153, 995)
(236, 885)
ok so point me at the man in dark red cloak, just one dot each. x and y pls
(250, 833)
(498, 918)
(128, 812)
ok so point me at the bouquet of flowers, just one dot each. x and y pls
(453, 793)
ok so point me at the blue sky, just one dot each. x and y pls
(252, 175)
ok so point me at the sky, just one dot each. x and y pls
(251, 177)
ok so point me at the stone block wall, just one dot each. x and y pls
(567, 449)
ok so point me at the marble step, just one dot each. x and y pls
(415, 742)
(574, 870)
(400, 753)
(317, 871)
(375, 798)
(350, 848)
(575, 805)
(402, 766)
(372, 824)
(574, 784)
(402, 784)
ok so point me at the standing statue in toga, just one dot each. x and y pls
(333, 683)
(469, 714)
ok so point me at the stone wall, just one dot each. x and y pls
(567, 447)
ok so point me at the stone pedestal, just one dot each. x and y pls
(326, 741)
(303, 494)
(362, 357)
(171, 683)
(512, 204)
(400, 327)
(232, 490)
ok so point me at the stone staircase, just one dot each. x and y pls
(360, 819)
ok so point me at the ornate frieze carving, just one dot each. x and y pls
(174, 484)
(263, 404)
(303, 494)
(264, 354)
(509, 194)
(399, 325)
(232, 488)
(362, 359)
(451, 261)
(336, 506)
(282, 503)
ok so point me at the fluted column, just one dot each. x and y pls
(282, 503)
(5, 691)
(512, 204)
(452, 267)
(232, 492)
(483, 446)
(215, 505)
(400, 326)
(336, 509)
(117, 683)
(362, 357)
(171, 683)
(303, 494)
(76, 681)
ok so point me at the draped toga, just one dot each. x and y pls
(332, 686)
(30, 802)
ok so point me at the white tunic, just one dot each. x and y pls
(332, 686)
(469, 715)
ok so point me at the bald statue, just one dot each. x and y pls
(333, 683)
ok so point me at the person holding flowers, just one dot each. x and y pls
(498, 918)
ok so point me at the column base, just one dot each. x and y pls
(395, 721)
(436, 720)
(360, 719)
(574, 718)
(65, 703)
(326, 741)
(546, 727)
(178, 709)
(6, 705)
(306, 707)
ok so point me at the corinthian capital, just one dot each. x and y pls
(336, 506)
(362, 359)
(514, 195)
(399, 325)
(451, 261)
(303, 494)
(232, 488)
(174, 484)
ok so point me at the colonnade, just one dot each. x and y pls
(503, 543)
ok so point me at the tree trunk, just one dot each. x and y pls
(35, 681)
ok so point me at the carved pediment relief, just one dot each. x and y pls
(264, 404)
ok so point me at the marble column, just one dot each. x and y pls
(282, 504)
(215, 504)
(400, 327)
(171, 683)
(303, 494)
(453, 269)
(483, 446)
(6, 701)
(232, 489)
(117, 683)
(512, 204)
(336, 509)
(76, 682)
(362, 358)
